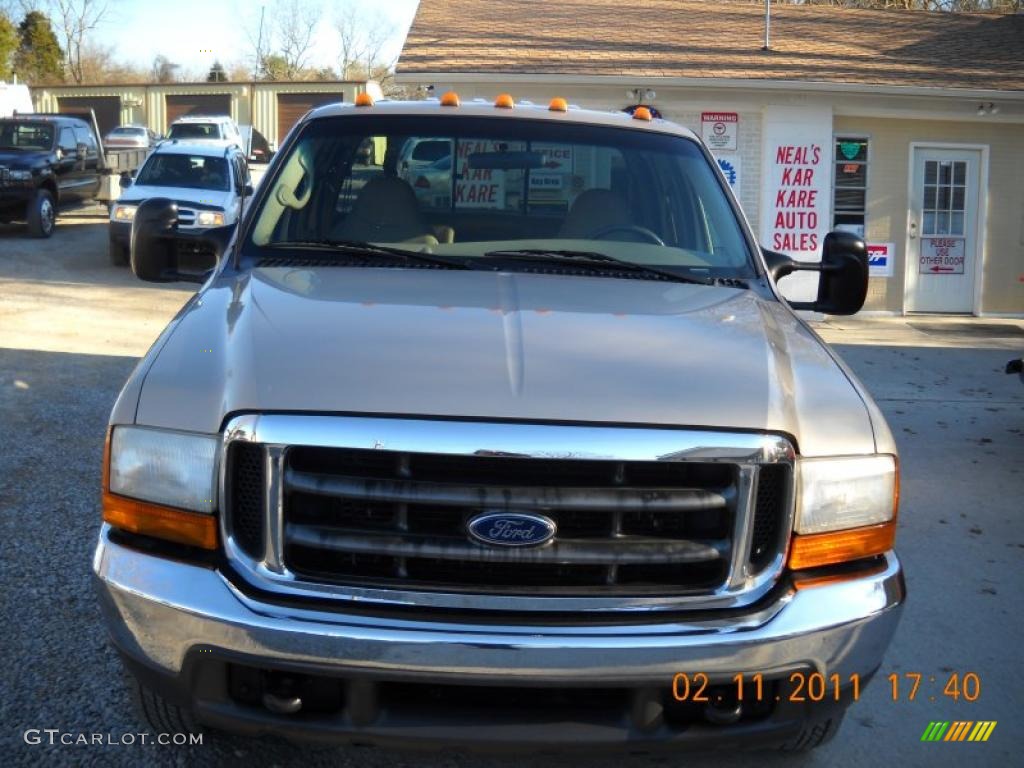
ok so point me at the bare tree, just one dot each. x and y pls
(75, 19)
(294, 24)
(163, 70)
(362, 36)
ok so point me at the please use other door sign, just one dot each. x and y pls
(942, 256)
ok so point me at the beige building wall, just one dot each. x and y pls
(889, 161)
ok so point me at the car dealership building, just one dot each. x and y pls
(905, 127)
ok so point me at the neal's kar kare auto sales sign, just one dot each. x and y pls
(797, 172)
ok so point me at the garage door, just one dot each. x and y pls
(181, 105)
(107, 109)
(292, 106)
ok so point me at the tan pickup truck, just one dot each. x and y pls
(540, 458)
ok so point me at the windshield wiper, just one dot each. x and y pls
(596, 258)
(361, 248)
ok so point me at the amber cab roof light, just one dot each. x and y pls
(642, 113)
(558, 104)
(450, 99)
(504, 101)
(364, 100)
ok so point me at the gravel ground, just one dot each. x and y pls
(71, 328)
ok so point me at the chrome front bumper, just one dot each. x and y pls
(162, 614)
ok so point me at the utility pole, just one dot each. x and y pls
(259, 46)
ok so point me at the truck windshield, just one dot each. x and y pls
(15, 134)
(179, 170)
(482, 187)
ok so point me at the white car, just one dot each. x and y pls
(216, 128)
(206, 180)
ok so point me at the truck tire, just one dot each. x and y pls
(160, 714)
(119, 255)
(42, 214)
(814, 734)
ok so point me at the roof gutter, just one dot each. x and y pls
(807, 86)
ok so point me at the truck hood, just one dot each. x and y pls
(203, 198)
(21, 159)
(489, 345)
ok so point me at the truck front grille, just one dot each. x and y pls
(397, 520)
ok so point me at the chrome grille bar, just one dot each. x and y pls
(632, 549)
(597, 500)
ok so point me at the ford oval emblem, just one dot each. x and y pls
(511, 529)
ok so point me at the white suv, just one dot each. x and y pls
(207, 180)
(206, 128)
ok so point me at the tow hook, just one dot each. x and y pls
(281, 700)
(723, 710)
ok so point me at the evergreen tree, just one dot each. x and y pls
(217, 73)
(8, 45)
(39, 58)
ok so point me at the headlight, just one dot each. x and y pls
(174, 469)
(210, 219)
(19, 175)
(124, 212)
(835, 494)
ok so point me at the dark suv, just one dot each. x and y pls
(45, 161)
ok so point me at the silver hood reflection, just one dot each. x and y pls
(488, 345)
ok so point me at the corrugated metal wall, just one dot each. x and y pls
(251, 103)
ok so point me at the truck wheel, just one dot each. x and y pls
(160, 714)
(814, 734)
(42, 215)
(118, 253)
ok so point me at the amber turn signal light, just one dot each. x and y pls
(558, 104)
(191, 528)
(818, 549)
(450, 99)
(504, 101)
(364, 100)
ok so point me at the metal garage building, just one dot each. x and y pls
(910, 124)
(273, 108)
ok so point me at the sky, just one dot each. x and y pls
(194, 33)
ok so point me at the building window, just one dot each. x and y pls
(850, 185)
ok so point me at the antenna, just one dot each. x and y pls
(767, 25)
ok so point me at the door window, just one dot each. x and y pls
(945, 197)
(67, 140)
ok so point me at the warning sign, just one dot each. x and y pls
(719, 129)
(942, 256)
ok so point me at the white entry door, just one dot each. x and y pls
(942, 247)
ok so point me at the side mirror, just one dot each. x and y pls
(843, 281)
(160, 253)
(248, 190)
(126, 179)
(81, 148)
